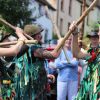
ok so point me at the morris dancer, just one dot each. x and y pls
(5, 72)
(90, 86)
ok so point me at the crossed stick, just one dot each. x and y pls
(85, 13)
(14, 42)
(81, 18)
(57, 33)
(14, 28)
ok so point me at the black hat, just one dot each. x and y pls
(93, 33)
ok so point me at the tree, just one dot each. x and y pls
(15, 11)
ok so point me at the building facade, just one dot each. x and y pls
(67, 11)
(70, 10)
(40, 17)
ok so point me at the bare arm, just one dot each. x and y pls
(12, 51)
(46, 54)
(75, 48)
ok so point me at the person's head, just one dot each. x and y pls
(68, 43)
(34, 31)
(94, 37)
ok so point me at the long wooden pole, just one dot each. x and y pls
(86, 12)
(82, 25)
(14, 42)
(13, 27)
(57, 33)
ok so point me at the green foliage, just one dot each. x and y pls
(5, 29)
(94, 25)
(15, 11)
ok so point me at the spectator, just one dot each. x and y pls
(89, 89)
(67, 80)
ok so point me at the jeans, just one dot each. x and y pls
(67, 89)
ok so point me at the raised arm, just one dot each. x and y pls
(40, 52)
(46, 54)
(12, 51)
(76, 50)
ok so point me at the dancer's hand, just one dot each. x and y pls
(74, 28)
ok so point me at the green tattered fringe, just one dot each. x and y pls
(26, 83)
(30, 83)
(92, 75)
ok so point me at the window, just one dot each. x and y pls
(61, 25)
(46, 35)
(87, 20)
(70, 7)
(80, 9)
(62, 5)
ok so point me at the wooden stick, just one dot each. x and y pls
(14, 42)
(57, 33)
(14, 28)
(29, 37)
(85, 13)
(82, 24)
(8, 24)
